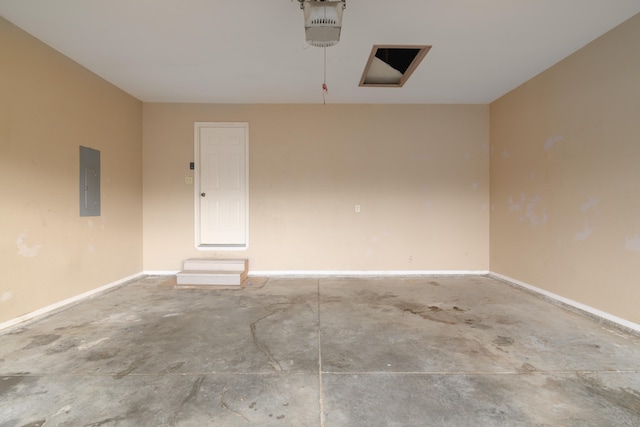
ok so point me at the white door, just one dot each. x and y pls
(221, 185)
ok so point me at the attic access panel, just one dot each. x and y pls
(392, 65)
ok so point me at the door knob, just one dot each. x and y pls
(203, 194)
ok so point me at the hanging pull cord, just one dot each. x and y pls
(325, 90)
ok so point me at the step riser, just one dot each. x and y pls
(186, 278)
(214, 272)
(215, 265)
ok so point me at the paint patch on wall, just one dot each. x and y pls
(585, 233)
(24, 249)
(552, 141)
(530, 213)
(535, 218)
(591, 203)
(6, 296)
(533, 213)
(515, 205)
(632, 243)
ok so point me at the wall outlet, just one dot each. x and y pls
(357, 208)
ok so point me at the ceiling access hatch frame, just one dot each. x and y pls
(392, 65)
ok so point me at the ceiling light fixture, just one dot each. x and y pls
(322, 21)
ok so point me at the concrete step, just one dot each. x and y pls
(203, 264)
(209, 277)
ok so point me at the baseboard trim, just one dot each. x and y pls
(160, 272)
(591, 312)
(364, 273)
(62, 304)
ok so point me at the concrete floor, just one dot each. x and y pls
(454, 351)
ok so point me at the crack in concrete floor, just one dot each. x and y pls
(261, 346)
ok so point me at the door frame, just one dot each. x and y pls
(196, 185)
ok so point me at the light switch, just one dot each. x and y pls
(188, 180)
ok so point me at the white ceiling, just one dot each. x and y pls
(253, 51)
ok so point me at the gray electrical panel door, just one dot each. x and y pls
(89, 182)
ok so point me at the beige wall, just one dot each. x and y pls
(420, 174)
(565, 177)
(49, 106)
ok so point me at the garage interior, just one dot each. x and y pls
(487, 276)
